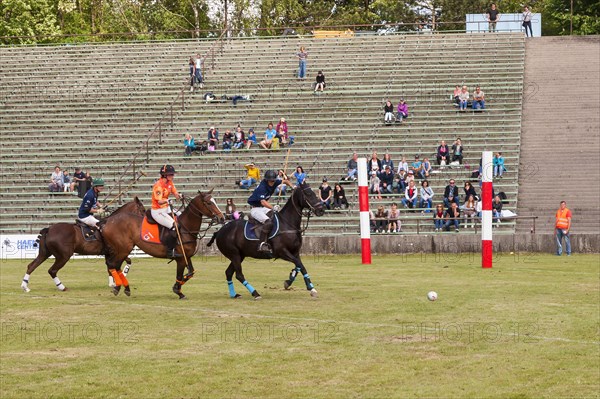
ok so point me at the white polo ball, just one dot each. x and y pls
(432, 295)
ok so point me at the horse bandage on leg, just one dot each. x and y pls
(124, 280)
(231, 288)
(116, 277)
(309, 284)
(248, 286)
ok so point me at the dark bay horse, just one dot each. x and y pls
(122, 232)
(286, 245)
(62, 240)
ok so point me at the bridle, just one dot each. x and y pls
(304, 212)
(198, 213)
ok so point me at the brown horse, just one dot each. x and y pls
(123, 232)
(62, 240)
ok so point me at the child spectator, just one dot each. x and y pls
(393, 222)
(189, 144)
(463, 99)
(438, 217)
(451, 216)
(410, 196)
(499, 165)
(56, 180)
(402, 111)
(339, 197)
(299, 175)
(374, 186)
(443, 154)
(478, 99)
(320, 82)
(251, 139)
(457, 151)
(66, 181)
(388, 110)
(426, 196)
(239, 138)
(325, 194)
(469, 209)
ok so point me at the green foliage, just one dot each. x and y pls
(35, 18)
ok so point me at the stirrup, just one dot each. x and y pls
(172, 254)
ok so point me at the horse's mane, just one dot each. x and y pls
(136, 200)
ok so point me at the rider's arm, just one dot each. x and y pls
(266, 204)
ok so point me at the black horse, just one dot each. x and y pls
(286, 244)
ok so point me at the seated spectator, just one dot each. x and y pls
(282, 188)
(375, 184)
(281, 137)
(202, 148)
(425, 169)
(189, 144)
(269, 136)
(457, 151)
(470, 190)
(438, 217)
(213, 139)
(399, 183)
(469, 209)
(320, 85)
(77, 178)
(415, 167)
(66, 181)
(497, 208)
(402, 111)
(393, 219)
(300, 175)
(339, 197)
(478, 99)
(403, 165)
(239, 139)
(388, 110)
(386, 180)
(499, 165)
(443, 154)
(381, 221)
(410, 176)
(227, 140)
(463, 99)
(426, 196)
(282, 124)
(56, 180)
(374, 163)
(230, 211)
(456, 95)
(387, 160)
(451, 194)
(352, 168)
(452, 216)
(251, 139)
(325, 194)
(252, 177)
(410, 196)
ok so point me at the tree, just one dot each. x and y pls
(35, 18)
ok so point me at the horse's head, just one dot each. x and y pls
(205, 204)
(308, 199)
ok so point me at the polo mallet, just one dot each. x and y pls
(187, 265)
(140, 174)
(284, 172)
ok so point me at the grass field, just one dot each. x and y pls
(527, 328)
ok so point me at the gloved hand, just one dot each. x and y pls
(276, 208)
(170, 202)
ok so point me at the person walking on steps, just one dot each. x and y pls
(259, 200)
(90, 205)
(161, 206)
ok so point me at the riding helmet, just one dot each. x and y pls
(98, 182)
(270, 175)
(167, 170)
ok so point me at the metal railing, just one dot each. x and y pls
(475, 221)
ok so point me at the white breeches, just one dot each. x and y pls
(162, 217)
(260, 213)
(90, 221)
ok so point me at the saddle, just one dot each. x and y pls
(252, 228)
(152, 231)
(89, 233)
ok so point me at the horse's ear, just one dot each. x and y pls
(210, 191)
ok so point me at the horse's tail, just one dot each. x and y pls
(214, 237)
(41, 240)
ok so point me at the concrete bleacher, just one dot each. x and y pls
(99, 102)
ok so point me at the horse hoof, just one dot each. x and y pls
(258, 297)
(286, 285)
(127, 291)
(116, 290)
(314, 293)
(64, 289)
(236, 296)
(181, 296)
(25, 288)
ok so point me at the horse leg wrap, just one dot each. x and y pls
(293, 274)
(124, 280)
(116, 277)
(248, 286)
(187, 277)
(231, 288)
(309, 284)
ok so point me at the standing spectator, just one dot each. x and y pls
(192, 64)
(251, 139)
(527, 21)
(386, 180)
(438, 217)
(374, 186)
(410, 196)
(426, 196)
(387, 160)
(493, 16)
(457, 151)
(381, 219)
(393, 222)
(402, 111)
(388, 110)
(425, 169)
(325, 194)
(56, 180)
(562, 228)
(443, 154)
(189, 144)
(198, 70)
(469, 209)
(339, 197)
(478, 99)
(451, 194)
(269, 136)
(320, 82)
(302, 56)
(499, 165)
(452, 216)
(213, 139)
(77, 178)
(456, 95)
(227, 140)
(252, 177)
(281, 189)
(352, 168)
(463, 99)
(497, 209)
(300, 175)
(239, 138)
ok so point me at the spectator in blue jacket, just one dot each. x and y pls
(499, 165)
(189, 144)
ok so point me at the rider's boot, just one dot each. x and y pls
(171, 244)
(264, 236)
